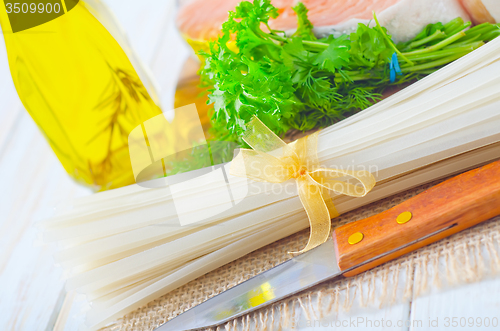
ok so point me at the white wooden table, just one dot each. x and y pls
(32, 182)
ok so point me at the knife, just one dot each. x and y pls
(452, 206)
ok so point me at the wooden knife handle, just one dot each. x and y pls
(452, 206)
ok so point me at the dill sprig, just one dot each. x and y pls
(123, 93)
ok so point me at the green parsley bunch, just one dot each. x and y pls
(300, 82)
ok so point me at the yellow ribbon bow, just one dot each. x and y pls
(272, 160)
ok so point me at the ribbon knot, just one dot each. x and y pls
(302, 171)
(272, 160)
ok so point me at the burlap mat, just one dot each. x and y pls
(468, 256)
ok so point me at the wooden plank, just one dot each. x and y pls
(11, 107)
(33, 181)
(474, 306)
(71, 316)
(360, 318)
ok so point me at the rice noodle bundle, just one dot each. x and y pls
(126, 247)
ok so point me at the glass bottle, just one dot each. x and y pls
(81, 84)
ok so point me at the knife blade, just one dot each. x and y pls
(452, 206)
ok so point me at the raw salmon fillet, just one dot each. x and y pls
(483, 10)
(202, 19)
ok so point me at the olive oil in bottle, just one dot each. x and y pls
(78, 84)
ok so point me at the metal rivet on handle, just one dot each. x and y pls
(355, 238)
(404, 217)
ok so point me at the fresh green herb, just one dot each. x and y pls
(304, 26)
(300, 82)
